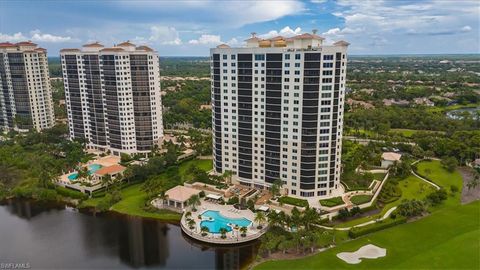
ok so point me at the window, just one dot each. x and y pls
(298, 56)
(259, 57)
(328, 57)
(287, 56)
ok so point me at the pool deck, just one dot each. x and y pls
(234, 236)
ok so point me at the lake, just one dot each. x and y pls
(46, 236)
(460, 113)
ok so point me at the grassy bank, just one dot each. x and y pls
(444, 240)
(134, 198)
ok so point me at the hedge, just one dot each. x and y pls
(377, 226)
(70, 193)
(293, 201)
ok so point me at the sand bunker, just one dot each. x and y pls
(368, 252)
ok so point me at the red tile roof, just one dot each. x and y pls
(144, 48)
(112, 50)
(126, 43)
(94, 44)
(25, 43)
(308, 36)
(7, 44)
(341, 43)
(110, 170)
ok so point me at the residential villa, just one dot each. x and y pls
(176, 198)
(113, 171)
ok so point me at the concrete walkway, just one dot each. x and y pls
(421, 178)
(386, 215)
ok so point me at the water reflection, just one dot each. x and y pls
(52, 237)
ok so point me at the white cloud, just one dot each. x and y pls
(219, 13)
(37, 36)
(286, 31)
(381, 24)
(466, 28)
(206, 39)
(12, 38)
(318, 1)
(165, 35)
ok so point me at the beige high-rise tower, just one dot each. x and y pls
(25, 92)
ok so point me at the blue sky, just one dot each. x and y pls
(190, 28)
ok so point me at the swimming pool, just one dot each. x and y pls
(218, 221)
(91, 169)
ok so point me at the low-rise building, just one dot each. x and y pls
(389, 158)
(113, 171)
(178, 197)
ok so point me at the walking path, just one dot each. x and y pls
(421, 178)
(386, 215)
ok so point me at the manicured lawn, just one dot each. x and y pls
(332, 202)
(412, 188)
(204, 164)
(293, 201)
(379, 176)
(360, 199)
(133, 198)
(446, 239)
(133, 202)
(434, 171)
(411, 132)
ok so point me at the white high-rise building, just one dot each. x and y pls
(278, 113)
(113, 97)
(25, 92)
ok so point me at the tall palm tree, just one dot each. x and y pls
(310, 216)
(228, 175)
(273, 219)
(260, 218)
(106, 180)
(194, 201)
(191, 224)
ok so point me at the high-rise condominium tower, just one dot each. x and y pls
(278, 112)
(25, 92)
(113, 97)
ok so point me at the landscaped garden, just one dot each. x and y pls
(134, 197)
(331, 202)
(293, 201)
(360, 199)
(444, 240)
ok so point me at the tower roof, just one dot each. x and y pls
(94, 44)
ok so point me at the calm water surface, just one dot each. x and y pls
(49, 237)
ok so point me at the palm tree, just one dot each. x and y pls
(243, 231)
(273, 219)
(228, 175)
(259, 218)
(275, 188)
(106, 179)
(191, 224)
(204, 230)
(188, 214)
(295, 217)
(128, 174)
(223, 232)
(194, 201)
(310, 216)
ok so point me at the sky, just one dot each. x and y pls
(191, 28)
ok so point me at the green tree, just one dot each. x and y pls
(194, 201)
(449, 163)
(260, 218)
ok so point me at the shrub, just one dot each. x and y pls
(411, 208)
(293, 201)
(381, 225)
(437, 196)
(454, 189)
(201, 194)
(449, 163)
(66, 192)
(233, 200)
